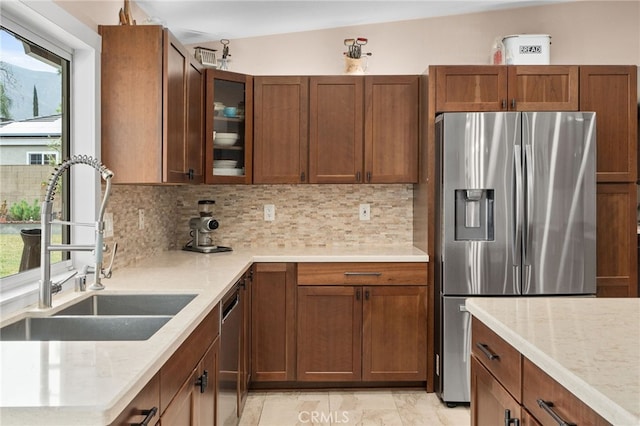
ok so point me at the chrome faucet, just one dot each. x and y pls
(47, 287)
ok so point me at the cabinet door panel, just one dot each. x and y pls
(543, 88)
(394, 343)
(273, 350)
(132, 102)
(280, 129)
(181, 411)
(391, 129)
(329, 333)
(616, 240)
(195, 125)
(611, 91)
(174, 155)
(489, 400)
(335, 129)
(471, 88)
(206, 396)
(228, 89)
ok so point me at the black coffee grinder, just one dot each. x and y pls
(202, 228)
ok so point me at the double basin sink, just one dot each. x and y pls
(101, 317)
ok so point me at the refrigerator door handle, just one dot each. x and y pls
(528, 232)
(516, 248)
(528, 167)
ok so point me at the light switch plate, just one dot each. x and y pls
(108, 225)
(269, 212)
(365, 212)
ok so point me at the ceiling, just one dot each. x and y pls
(195, 21)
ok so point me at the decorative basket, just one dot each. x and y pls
(206, 56)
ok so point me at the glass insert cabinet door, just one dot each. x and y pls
(229, 127)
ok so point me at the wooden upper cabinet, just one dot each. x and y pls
(391, 129)
(281, 114)
(363, 129)
(543, 88)
(151, 106)
(470, 88)
(335, 129)
(611, 91)
(228, 89)
(506, 88)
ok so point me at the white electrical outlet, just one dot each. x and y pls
(365, 212)
(108, 225)
(269, 212)
(140, 218)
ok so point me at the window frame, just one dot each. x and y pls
(47, 24)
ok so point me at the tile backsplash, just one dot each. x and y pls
(305, 216)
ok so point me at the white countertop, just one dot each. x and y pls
(90, 383)
(590, 346)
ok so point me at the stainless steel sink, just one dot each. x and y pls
(84, 328)
(129, 304)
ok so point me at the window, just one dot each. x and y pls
(52, 34)
(42, 158)
(32, 90)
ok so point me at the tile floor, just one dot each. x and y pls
(340, 408)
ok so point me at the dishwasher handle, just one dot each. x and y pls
(230, 305)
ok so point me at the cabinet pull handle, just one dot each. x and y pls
(190, 174)
(513, 103)
(504, 104)
(371, 274)
(547, 406)
(203, 381)
(508, 419)
(302, 177)
(368, 177)
(149, 414)
(358, 177)
(485, 350)
(357, 294)
(366, 295)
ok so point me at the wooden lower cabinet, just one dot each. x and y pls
(545, 399)
(368, 333)
(538, 399)
(616, 237)
(394, 340)
(195, 402)
(329, 333)
(143, 407)
(491, 404)
(273, 332)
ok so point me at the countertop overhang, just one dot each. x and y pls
(590, 346)
(90, 383)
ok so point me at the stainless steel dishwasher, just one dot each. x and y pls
(228, 374)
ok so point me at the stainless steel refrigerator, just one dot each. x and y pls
(516, 216)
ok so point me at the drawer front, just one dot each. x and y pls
(362, 273)
(538, 387)
(178, 368)
(499, 357)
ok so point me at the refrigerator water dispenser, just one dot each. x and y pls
(474, 215)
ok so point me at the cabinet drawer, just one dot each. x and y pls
(372, 273)
(143, 406)
(538, 387)
(178, 368)
(500, 358)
